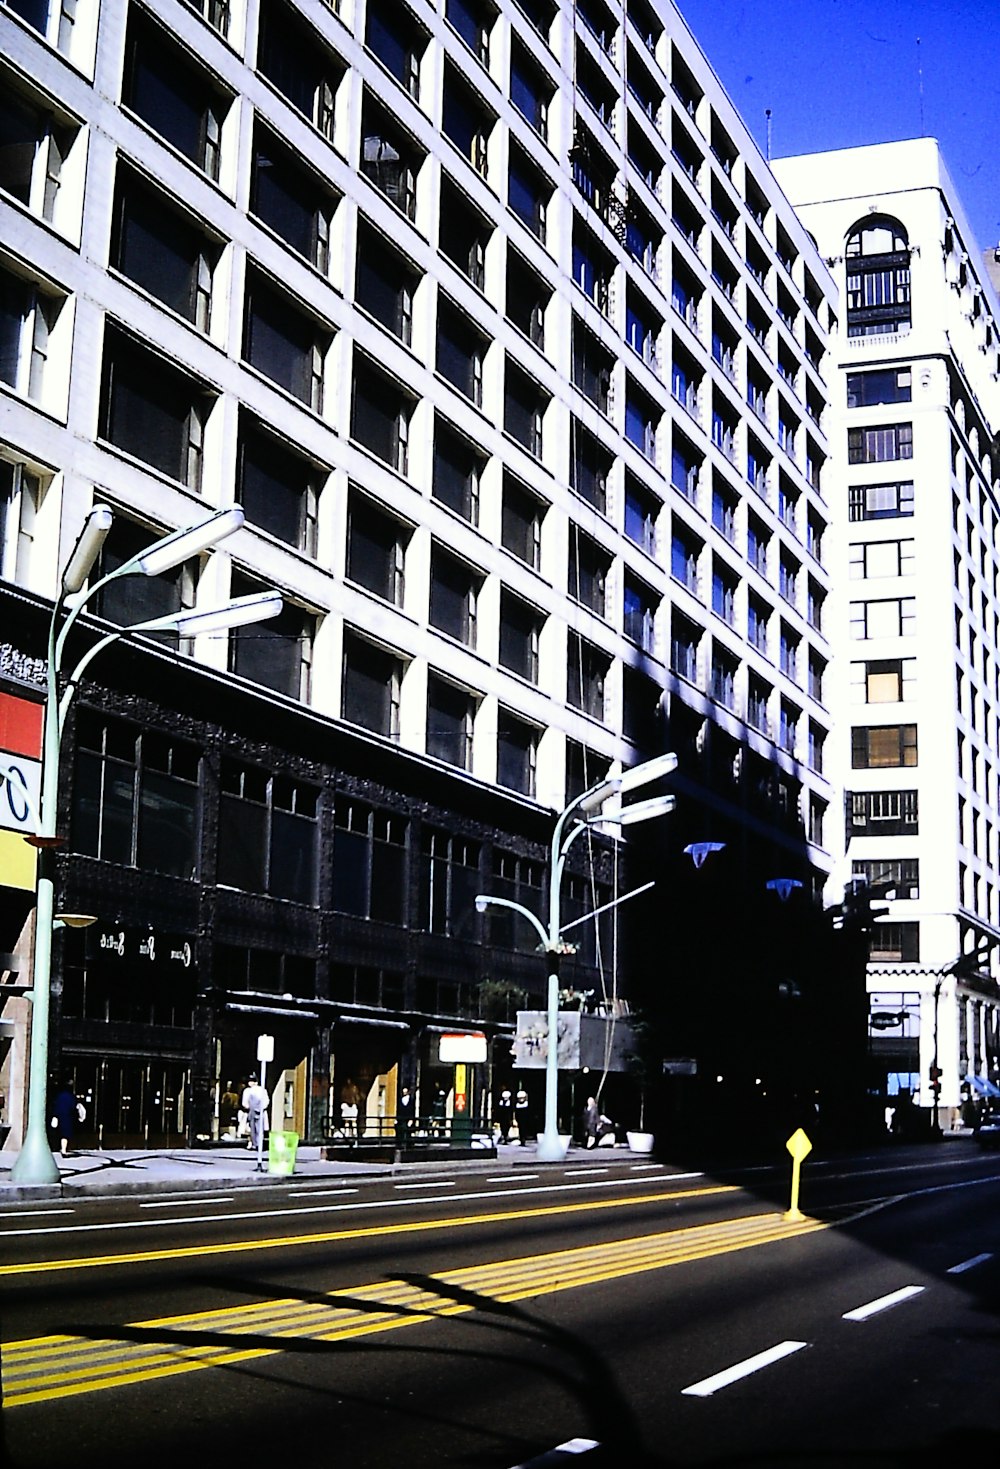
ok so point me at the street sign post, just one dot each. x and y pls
(800, 1147)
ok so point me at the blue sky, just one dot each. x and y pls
(839, 73)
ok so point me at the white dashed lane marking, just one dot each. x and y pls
(969, 1264)
(746, 1368)
(883, 1303)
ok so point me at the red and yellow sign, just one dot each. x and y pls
(21, 766)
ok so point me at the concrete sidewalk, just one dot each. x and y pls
(86, 1174)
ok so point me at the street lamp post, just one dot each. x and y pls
(35, 1163)
(583, 812)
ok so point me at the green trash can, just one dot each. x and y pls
(281, 1150)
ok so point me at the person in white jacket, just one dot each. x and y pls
(254, 1103)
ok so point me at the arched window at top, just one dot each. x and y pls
(878, 277)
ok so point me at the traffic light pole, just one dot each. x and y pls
(935, 1067)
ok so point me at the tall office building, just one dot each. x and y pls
(494, 321)
(916, 412)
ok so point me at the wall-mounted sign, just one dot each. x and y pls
(469, 1048)
(139, 947)
(20, 792)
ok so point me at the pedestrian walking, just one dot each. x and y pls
(505, 1113)
(254, 1102)
(404, 1115)
(351, 1097)
(591, 1122)
(439, 1108)
(522, 1107)
(66, 1113)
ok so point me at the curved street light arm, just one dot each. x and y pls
(483, 901)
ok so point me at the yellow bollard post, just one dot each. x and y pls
(800, 1147)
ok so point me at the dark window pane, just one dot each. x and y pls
(146, 407)
(293, 857)
(167, 92)
(350, 873)
(372, 549)
(242, 848)
(279, 341)
(274, 484)
(168, 825)
(369, 679)
(157, 248)
(448, 723)
(19, 134)
(284, 196)
(388, 883)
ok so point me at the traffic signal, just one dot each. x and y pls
(935, 1076)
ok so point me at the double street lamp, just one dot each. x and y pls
(35, 1163)
(581, 814)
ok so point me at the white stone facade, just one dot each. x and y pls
(915, 627)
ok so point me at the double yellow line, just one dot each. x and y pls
(62, 1366)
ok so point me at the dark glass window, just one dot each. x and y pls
(380, 414)
(590, 465)
(276, 653)
(136, 797)
(586, 672)
(465, 120)
(530, 89)
(291, 200)
(371, 686)
(517, 745)
(276, 487)
(460, 352)
(389, 157)
(883, 385)
(587, 571)
(284, 343)
(393, 35)
(291, 54)
(527, 297)
(457, 469)
(519, 631)
(150, 410)
(162, 249)
(449, 882)
(385, 283)
(453, 592)
(376, 548)
(131, 599)
(473, 20)
(521, 523)
(524, 406)
(268, 833)
(450, 713)
(171, 93)
(464, 233)
(369, 862)
(527, 194)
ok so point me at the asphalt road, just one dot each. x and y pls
(486, 1319)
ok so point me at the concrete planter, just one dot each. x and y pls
(640, 1142)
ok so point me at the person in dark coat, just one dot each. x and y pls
(404, 1115)
(65, 1115)
(591, 1122)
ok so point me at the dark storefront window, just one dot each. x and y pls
(264, 971)
(267, 833)
(135, 976)
(369, 862)
(135, 798)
